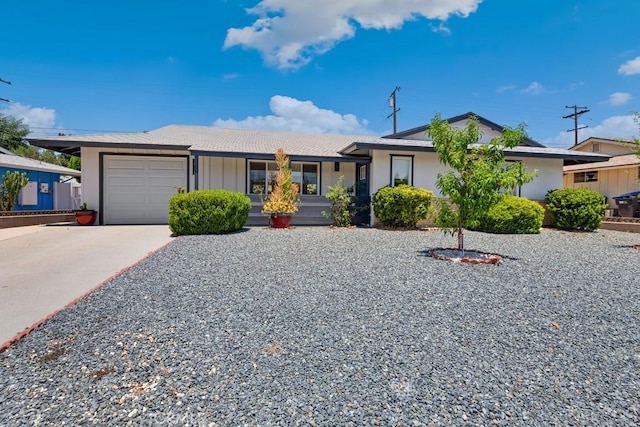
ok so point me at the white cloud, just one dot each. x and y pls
(577, 85)
(630, 67)
(40, 120)
(290, 114)
(505, 88)
(534, 88)
(289, 33)
(619, 98)
(623, 127)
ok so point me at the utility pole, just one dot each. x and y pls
(7, 82)
(394, 112)
(574, 116)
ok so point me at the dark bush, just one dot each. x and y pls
(576, 208)
(208, 212)
(401, 206)
(513, 215)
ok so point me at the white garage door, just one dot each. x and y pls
(137, 189)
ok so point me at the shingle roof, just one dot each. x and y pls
(215, 140)
(13, 161)
(519, 151)
(614, 162)
(207, 140)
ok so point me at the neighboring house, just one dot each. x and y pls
(616, 176)
(45, 191)
(130, 177)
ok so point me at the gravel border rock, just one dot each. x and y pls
(319, 326)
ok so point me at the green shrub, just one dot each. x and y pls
(208, 212)
(401, 206)
(339, 196)
(576, 208)
(513, 215)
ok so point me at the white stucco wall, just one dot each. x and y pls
(549, 176)
(426, 168)
(91, 169)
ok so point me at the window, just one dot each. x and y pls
(401, 170)
(263, 174)
(595, 147)
(589, 176)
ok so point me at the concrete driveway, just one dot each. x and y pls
(44, 268)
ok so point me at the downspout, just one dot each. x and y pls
(196, 160)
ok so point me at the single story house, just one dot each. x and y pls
(45, 191)
(129, 177)
(618, 175)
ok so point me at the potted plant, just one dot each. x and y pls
(282, 201)
(85, 216)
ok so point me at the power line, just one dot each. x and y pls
(574, 116)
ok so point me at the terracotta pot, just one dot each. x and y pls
(280, 221)
(86, 217)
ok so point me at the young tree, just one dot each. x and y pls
(479, 174)
(12, 132)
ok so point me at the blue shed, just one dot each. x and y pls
(39, 193)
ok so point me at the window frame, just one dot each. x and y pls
(393, 157)
(271, 168)
(585, 176)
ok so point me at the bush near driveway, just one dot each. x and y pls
(401, 206)
(576, 208)
(208, 212)
(513, 215)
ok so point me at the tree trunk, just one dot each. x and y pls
(461, 239)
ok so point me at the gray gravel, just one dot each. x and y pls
(318, 326)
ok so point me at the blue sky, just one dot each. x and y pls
(321, 66)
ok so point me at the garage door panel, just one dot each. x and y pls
(137, 189)
(165, 181)
(129, 164)
(131, 182)
(176, 165)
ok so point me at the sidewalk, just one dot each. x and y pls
(44, 268)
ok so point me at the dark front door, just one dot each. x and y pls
(363, 200)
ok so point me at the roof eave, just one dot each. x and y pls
(73, 147)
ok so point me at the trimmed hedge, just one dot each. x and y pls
(401, 206)
(576, 208)
(513, 215)
(208, 212)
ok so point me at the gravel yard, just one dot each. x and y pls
(320, 326)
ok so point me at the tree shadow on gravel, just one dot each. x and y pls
(427, 254)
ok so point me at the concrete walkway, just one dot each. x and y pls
(43, 268)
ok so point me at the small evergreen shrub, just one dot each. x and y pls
(208, 212)
(339, 196)
(576, 208)
(401, 206)
(513, 215)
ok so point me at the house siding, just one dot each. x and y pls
(45, 200)
(487, 133)
(610, 183)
